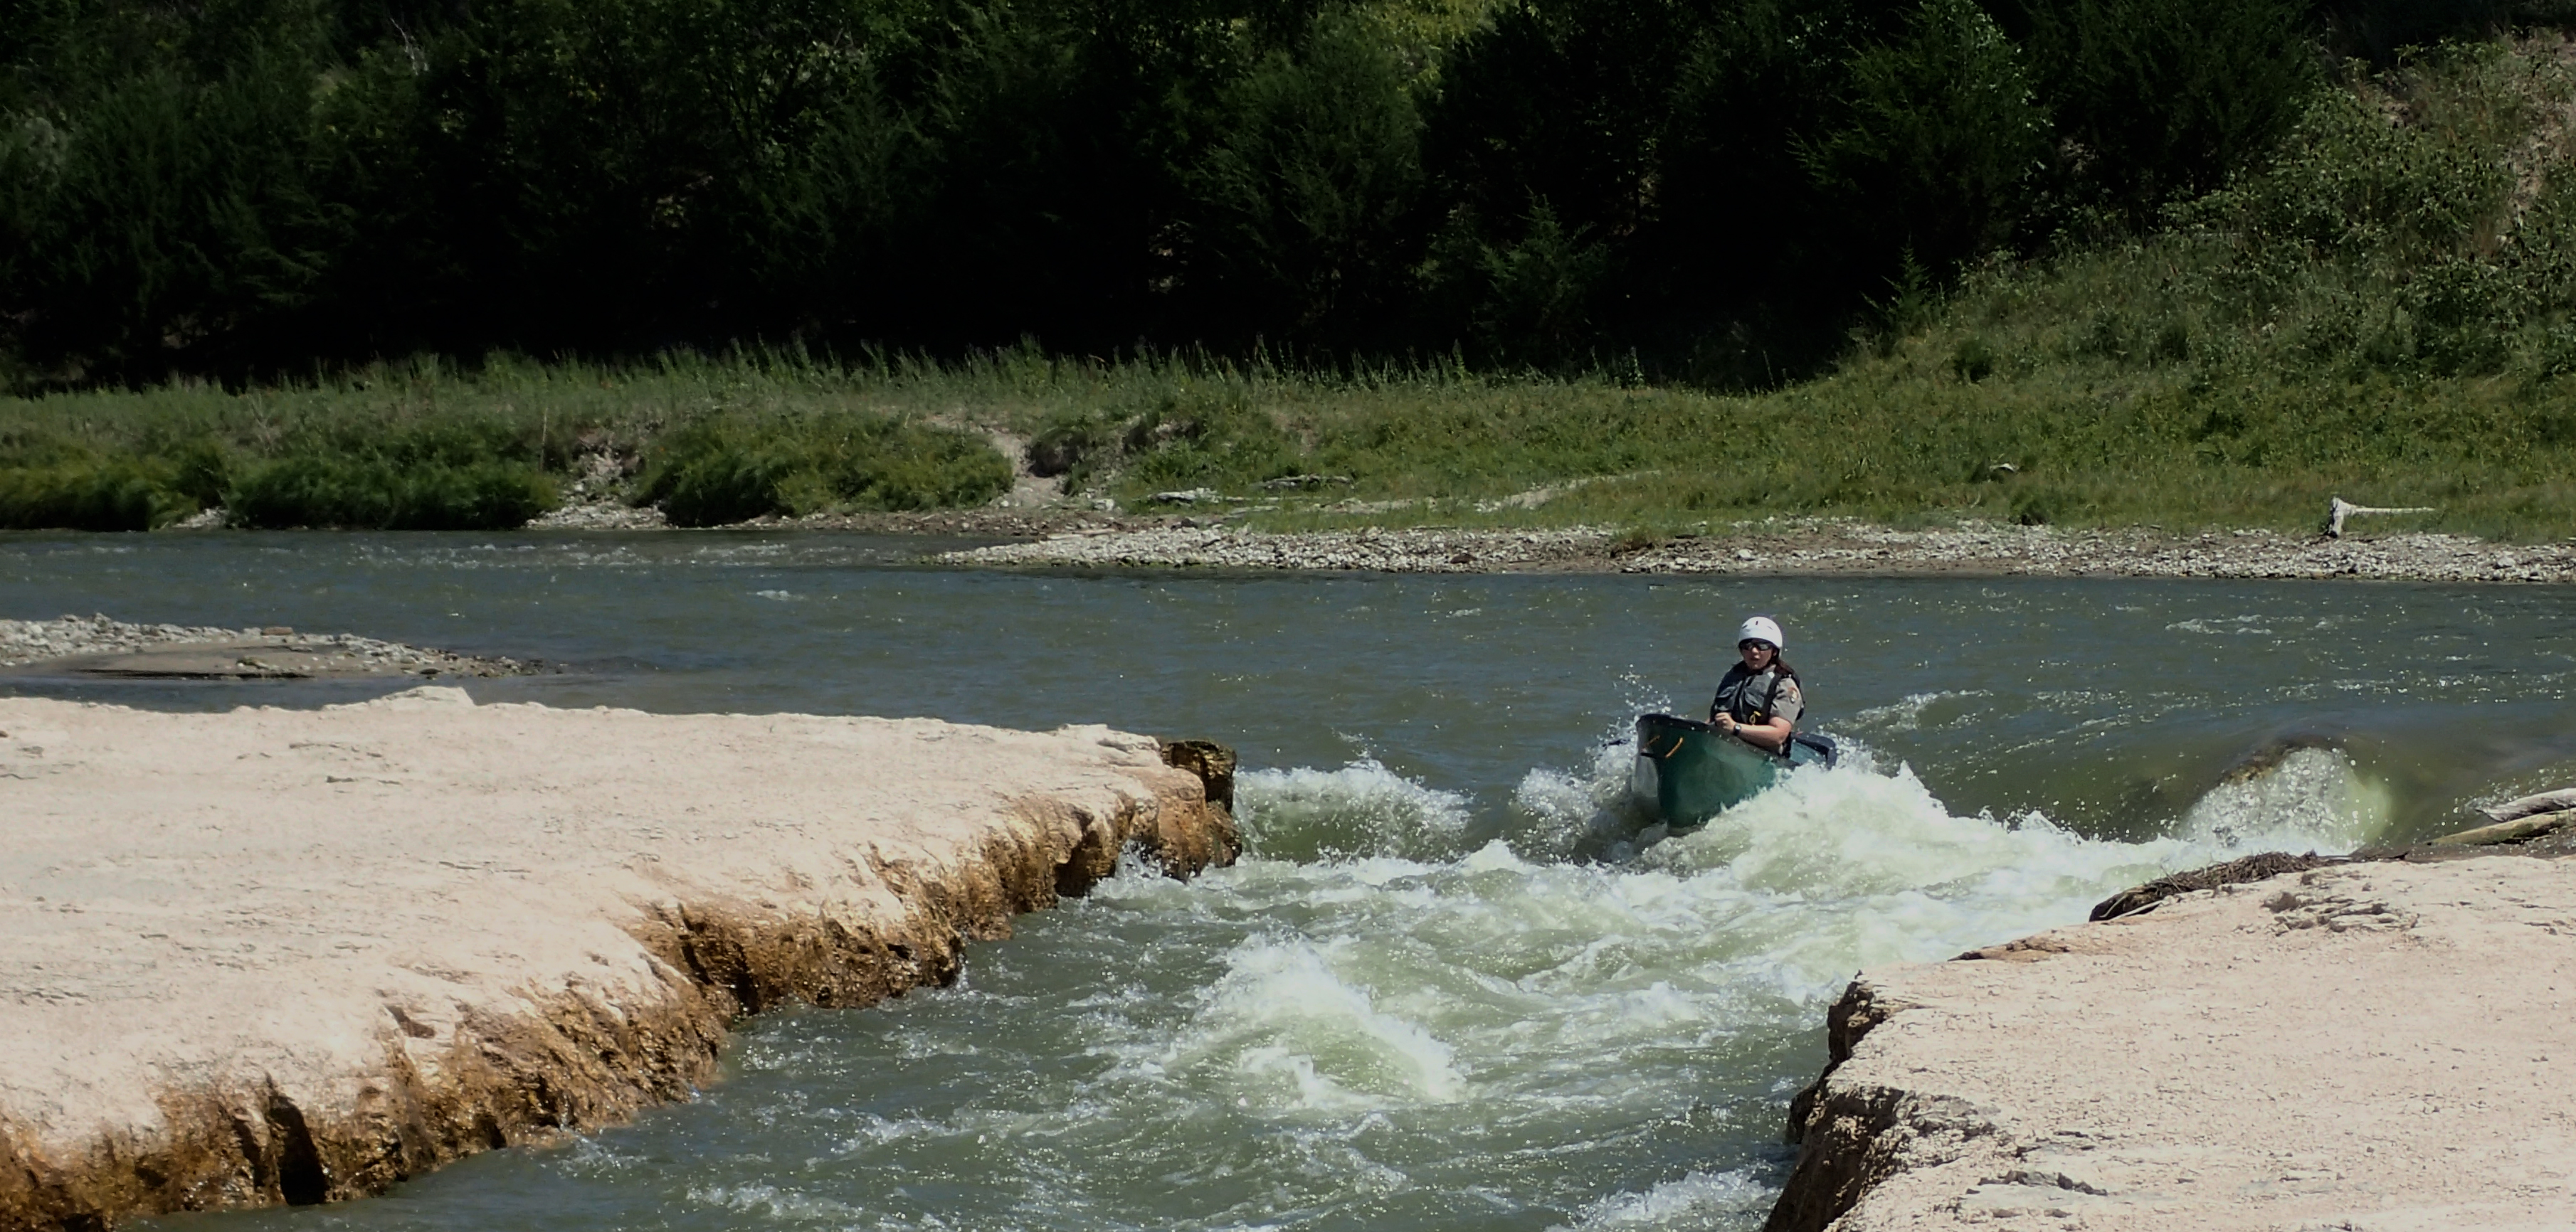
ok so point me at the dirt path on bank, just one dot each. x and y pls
(280, 955)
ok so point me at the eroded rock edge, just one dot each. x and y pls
(579, 1059)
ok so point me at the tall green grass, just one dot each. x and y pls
(431, 445)
(738, 467)
(2061, 428)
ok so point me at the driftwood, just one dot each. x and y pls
(2234, 872)
(2517, 821)
(2339, 509)
(1285, 482)
(2546, 802)
(2520, 829)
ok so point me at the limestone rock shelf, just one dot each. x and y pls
(294, 956)
(2380, 1045)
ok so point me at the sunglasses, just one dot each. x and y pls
(1752, 643)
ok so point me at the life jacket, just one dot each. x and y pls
(1736, 695)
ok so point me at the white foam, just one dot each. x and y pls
(774, 1202)
(1696, 1200)
(1361, 809)
(2312, 798)
(1906, 713)
(1531, 988)
(2221, 626)
(1285, 1030)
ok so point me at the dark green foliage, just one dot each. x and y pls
(2033, 506)
(1973, 360)
(2381, 30)
(2155, 99)
(1307, 188)
(161, 204)
(241, 188)
(1196, 434)
(1940, 140)
(1079, 444)
(733, 468)
(1535, 294)
(377, 494)
(1753, 272)
(448, 472)
(119, 494)
(50, 479)
(1200, 436)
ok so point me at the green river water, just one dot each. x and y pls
(1451, 984)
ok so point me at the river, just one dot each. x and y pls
(1451, 984)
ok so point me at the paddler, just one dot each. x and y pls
(1758, 702)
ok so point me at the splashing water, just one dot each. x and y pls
(1390, 1014)
(2312, 797)
(1282, 1029)
(1455, 985)
(1361, 809)
(1397, 1017)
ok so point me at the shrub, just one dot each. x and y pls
(733, 468)
(709, 477)
(90, 495)
(1973, 360)
(1942, 134)
(2157, 99)
(1076, 445)
(1194, 437)
(373, 494)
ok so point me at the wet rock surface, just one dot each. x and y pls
(290, 956)
(2371, 1045)
(96, 646)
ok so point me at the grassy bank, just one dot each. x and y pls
(2052, 432)
(2382, 311)
(427, 445)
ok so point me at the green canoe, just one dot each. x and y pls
(1688, 772)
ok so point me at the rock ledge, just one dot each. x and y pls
(2363, 1046)
(297, 956)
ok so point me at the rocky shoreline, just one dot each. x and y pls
(1053, 531)
(98, 646)
(292, 956)
(1193, 546)
(1802, 547)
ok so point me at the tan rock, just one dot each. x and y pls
(279, 955)
(2366, 1046)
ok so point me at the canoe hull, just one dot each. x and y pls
(1688, 772)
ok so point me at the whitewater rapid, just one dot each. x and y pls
(1455, 983)
(1397, 990)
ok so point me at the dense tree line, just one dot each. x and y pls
(1709, 188)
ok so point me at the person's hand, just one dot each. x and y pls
(1726, 723)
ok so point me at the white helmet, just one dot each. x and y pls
(1759, 629)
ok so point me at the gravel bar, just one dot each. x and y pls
(1809, 547)
(33, 642)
